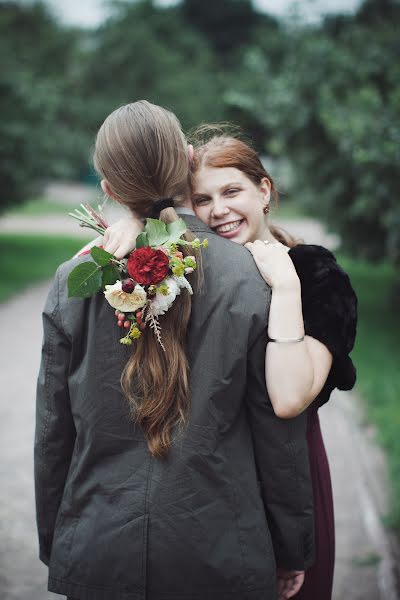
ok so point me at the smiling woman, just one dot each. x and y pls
(312, 307)
(230, 203)
(232, 191)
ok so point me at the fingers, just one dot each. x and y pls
(115, 249)
(289, 583)
(120, 247)
(258, 248)
(124, 247)
(111, 246)
(295, 585)
(281, 588)
(120, 238)
(284, 589)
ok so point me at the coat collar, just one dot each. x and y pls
(194, 224)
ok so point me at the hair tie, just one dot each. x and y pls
(159, 205)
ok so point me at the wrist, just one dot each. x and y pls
(286, 340)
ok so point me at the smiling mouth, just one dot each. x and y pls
(228, 226)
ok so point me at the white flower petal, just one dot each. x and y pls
(183, 283)
(162, 302)
(124, 301)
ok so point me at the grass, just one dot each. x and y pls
(376, 356)
(28, 259)
(41, 206)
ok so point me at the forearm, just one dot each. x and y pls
(288, 366)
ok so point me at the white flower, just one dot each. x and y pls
(124, 301)
(162, 302)
(182, 282)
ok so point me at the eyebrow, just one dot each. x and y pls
(223, 187)
(230, 185)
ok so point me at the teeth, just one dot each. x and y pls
(228, 227)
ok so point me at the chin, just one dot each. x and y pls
(238, 240)
(242, 238)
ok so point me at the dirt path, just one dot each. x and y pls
(364, 565)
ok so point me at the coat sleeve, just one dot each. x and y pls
(55, 430)
(329, 310)
(281, 454)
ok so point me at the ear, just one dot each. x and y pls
(265, 189)
(106, 188)
(190, 151)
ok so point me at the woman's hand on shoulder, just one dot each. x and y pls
(120, 238)
(275, 265)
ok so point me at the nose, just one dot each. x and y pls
(219, 209)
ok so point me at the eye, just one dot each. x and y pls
(231, 191)
(200, 200)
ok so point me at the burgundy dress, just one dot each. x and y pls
(330, 315)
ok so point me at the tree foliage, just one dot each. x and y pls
(326, 97)
(227, 24)
(145, 51)
(41, 128)
(333, 111)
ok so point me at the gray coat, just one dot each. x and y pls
(232, 499)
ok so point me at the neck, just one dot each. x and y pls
(265, 234)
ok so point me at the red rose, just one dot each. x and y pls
(148, 266)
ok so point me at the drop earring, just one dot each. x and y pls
(266, 209)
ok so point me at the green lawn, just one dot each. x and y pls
(27, 259)
(377, 358)
(44, 206)
(41, 206)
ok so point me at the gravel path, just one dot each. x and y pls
(364, 566)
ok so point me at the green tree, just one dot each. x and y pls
(40, 129)
(333, 110)
(145, 51)
(228, 24)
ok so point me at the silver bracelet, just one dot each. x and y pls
(286, 340)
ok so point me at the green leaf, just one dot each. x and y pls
(156, 231)
(175, 230)
(142, 240)
(109, 276)
(101, 256)
(84, 280)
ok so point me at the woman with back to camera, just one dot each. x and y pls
(313, 305)
(206, 490)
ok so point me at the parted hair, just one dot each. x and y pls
(142, 153)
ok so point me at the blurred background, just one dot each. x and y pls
(314, 84)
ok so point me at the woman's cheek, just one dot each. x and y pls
(203, 213)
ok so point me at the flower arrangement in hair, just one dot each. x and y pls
(142, 286)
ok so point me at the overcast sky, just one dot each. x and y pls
(92, 12)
